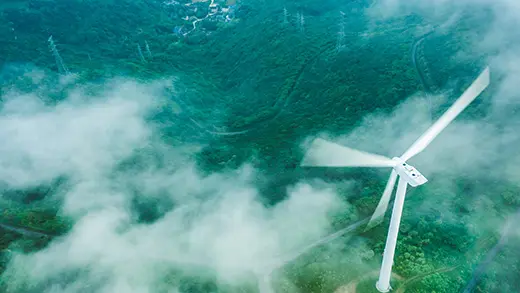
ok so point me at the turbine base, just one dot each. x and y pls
(383, 290)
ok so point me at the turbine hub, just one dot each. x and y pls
(409, 173)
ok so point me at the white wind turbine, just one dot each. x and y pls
(323, 153)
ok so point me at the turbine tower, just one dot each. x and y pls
(321, 154)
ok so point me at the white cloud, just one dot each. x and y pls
(79, 137)
(216, 222)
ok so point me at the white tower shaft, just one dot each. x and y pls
(383, 284)
(264, 283)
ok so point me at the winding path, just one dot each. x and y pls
(25, 231)
(283, 100)
(352, 286)
(420, 73)
(417, 43)
(416, 278)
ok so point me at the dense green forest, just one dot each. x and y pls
(252, 91)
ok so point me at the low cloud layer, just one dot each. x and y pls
(102, 144)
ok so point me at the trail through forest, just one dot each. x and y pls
(285, 99)
(25, 231)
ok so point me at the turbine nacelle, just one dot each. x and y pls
(411, 175)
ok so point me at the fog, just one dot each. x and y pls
(100, 142)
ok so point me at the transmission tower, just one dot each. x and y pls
(285, 16)
(341, 34)
(59, 61)
(140, 52)
(148, 52)
(301, 21)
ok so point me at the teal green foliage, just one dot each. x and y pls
(280, 86)
(501, 274)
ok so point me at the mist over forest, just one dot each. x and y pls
(155, 146)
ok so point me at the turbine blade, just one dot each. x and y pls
(380, 211)
(476, 88)
(323, 153)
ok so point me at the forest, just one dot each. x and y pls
(251, 92)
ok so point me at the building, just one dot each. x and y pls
(214, 8)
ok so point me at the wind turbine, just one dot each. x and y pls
(323, 153)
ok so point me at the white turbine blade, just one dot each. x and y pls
(476, 88)
(383, 202)
(323, 153)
